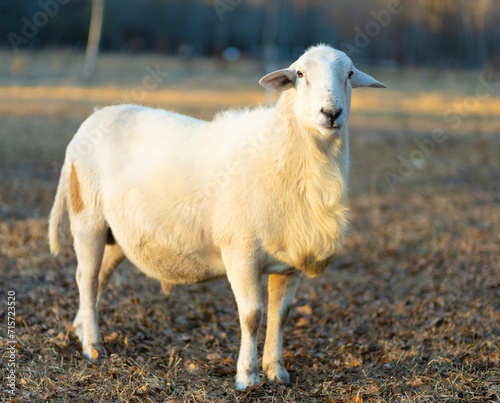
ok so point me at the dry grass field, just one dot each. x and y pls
(409, 312)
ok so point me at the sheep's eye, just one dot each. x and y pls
(300, 74)
(351, 73)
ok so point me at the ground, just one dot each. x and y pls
(408, 312)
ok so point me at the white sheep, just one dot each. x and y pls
(253, 192)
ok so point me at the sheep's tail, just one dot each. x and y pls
(56, 219)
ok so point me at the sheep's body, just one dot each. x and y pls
(188, 201)
(172, 198)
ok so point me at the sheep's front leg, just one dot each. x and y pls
(281, 290)
(245, 278)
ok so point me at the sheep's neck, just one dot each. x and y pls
(306, 180)
(303, 157)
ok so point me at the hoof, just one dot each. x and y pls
(94, 353)
(277, 373)
(247, 380)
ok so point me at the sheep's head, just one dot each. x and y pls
(323, 78)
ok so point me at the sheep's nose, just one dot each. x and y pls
(332, 114)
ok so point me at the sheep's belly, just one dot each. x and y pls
(166, 264)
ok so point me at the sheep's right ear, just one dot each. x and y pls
(360, 79)
(279, 80)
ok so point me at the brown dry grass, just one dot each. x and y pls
(409, 312)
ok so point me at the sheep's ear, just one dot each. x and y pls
(279, 80)
(360, 79)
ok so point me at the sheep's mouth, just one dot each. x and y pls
(332, 128)
(329, 131)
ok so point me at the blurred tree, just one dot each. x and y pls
(270, 39)
(94, 40)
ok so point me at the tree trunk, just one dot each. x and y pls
(94, 37)
(270, 36)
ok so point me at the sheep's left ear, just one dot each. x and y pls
(360, 79)
(279, 80)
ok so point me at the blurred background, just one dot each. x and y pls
(389, 34)
(416, 33)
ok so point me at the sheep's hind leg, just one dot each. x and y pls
(113, 256)
(281, 289)
(89, 248)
